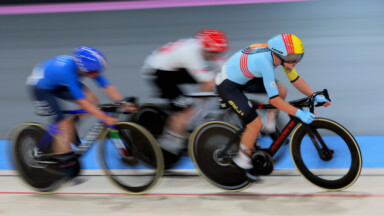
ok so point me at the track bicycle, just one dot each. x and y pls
(324, 152)
(129, 154)
(153, 117)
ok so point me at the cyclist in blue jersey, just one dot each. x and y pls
(59, 77)
(252, 70)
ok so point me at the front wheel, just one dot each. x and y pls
(41, 177)
(338, 162)
(206, 147)
(140, 167)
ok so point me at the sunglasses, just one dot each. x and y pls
(292, 58)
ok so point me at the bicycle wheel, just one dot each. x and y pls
(341, 165)
(41, 177)
(204, 148)
(142, 169)
(151, 118)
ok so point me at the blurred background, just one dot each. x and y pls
(343, 40)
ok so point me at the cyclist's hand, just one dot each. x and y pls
(305, 116)
(129, 108)
(322, 99)
(109, 120)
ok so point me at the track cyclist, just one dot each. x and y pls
(252, 70)
(180, 62)
(60, 78)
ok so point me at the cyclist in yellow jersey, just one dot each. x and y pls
(253, 70)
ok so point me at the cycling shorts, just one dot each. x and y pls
(46, 101)
(168, 82)
(233, 95)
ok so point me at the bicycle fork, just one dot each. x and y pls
(324, 152)
(118, 142)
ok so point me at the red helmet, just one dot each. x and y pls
(213, 40)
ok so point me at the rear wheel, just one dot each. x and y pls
(339, 162)
(41, 177)
(141, 167)
(205, 148)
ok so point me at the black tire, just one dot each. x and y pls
(140, 172)
(41, 177)
(343, 166)
(151, 117)
(205, 143)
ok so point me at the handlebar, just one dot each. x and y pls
(301, 103)
(115, 107)
(310, 100)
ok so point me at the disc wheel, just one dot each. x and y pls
(214, 165)
(43, 178)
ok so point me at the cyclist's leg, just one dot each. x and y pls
(178, 121)
(270, 125)
(168, 83)
(173, 139)
(256, 86)
(46, 104)
(62, 150)
(69, 123)
(232, 94)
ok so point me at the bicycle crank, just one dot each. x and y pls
(262, 162)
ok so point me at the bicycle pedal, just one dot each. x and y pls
(45, 159)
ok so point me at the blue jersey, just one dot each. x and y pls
(61, 71)
(252, 62)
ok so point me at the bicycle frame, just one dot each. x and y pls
(95, 133)
(315, 137)
(280, 140)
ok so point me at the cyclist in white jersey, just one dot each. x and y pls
(180, 62)
(252, 70)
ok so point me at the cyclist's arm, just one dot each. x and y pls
(303, 87)
(284, 106)
(76, 91)
(92, 109)
(273, 92)
(112, 92)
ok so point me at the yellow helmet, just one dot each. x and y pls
(287, 47)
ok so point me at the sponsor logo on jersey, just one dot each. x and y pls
(273, 84)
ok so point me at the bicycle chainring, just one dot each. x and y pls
(262, 162)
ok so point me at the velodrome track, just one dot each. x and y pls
(283, 193)
(343, 41)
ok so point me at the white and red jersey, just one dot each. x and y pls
(181, 54)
